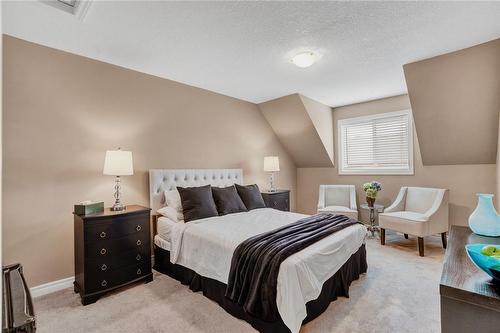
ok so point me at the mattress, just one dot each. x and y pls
(164, 227)
(162, 243)
(206, 246)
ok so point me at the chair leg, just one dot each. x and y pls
(421, 246)
(382, 236)
(444, 240)
(406, 236)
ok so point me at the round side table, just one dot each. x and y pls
(373, 216)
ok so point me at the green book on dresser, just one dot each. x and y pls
(89, 208)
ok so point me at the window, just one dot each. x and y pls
(376, 145)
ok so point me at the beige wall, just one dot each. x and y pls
(455, 99)
(321, 116)
(463, 181)
(295, 129)
(498, 168)
(62, 111)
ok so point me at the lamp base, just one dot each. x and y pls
(272, 186)
(118, 207)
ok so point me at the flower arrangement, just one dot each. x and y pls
(371, 189)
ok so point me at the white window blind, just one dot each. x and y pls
(378, 144)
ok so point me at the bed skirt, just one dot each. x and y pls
(337, 285)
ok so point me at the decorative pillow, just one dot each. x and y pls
(171, 213)
(197, 202)
(250, 195)
(173, 199)
(227, 200)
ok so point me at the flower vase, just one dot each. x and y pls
(370, 201)
(485, 220)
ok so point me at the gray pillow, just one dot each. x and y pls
(227, 200)
(197, 202)
(251, 197)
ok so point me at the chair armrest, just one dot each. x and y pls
(399, 204)
(352, 197)
(321, 197)
(441, 199)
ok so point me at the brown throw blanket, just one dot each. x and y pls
(253, 276)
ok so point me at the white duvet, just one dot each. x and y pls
(207, 245)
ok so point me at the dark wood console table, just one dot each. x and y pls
(470, 302)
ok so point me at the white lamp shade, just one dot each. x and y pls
(118, 163)
(271, 163)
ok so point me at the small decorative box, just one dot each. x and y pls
(87, 207)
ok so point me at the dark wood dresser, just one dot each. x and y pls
(278, 200)
(470, 302)
(112, 249)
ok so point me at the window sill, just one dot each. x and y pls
(376, 173)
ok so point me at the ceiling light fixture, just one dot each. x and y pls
(304, 59)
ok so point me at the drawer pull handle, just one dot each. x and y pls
(138, 242)
(138, 228)
(103, 251)
(138, 257)
(104, 283)
(139, 271)
(104, 267)
(103, 234)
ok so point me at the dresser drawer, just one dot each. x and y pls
(112, 249)
(116, 227)
(106, 263)
(109, 279)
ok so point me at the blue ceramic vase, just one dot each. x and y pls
(485, 220)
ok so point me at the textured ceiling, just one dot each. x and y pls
(242, 49)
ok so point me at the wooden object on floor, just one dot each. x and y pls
(421, 246)
(444, 240)
(112, 249)
(470, 302)
(382, 236)
(278, 200)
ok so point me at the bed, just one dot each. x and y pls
(199, 253)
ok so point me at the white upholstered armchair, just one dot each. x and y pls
(417, 211)
(338, 199)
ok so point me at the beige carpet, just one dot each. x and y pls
(400, 293)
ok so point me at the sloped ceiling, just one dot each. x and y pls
(455, 100)
(243, 48)
(304, 127)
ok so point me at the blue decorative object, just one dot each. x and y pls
(490, 265)
(485, 220)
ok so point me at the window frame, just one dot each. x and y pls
(341, 123)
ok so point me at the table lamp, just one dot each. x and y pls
(271, 165)
(118, 163)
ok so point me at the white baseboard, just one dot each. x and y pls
(51, 287)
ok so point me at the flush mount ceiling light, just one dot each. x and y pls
(304, 59)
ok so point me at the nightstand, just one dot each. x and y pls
(278, 200)
(112, 249)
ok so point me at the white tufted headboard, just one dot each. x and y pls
(161, 180)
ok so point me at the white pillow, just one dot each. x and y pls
(171, 213)
(173, 199)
